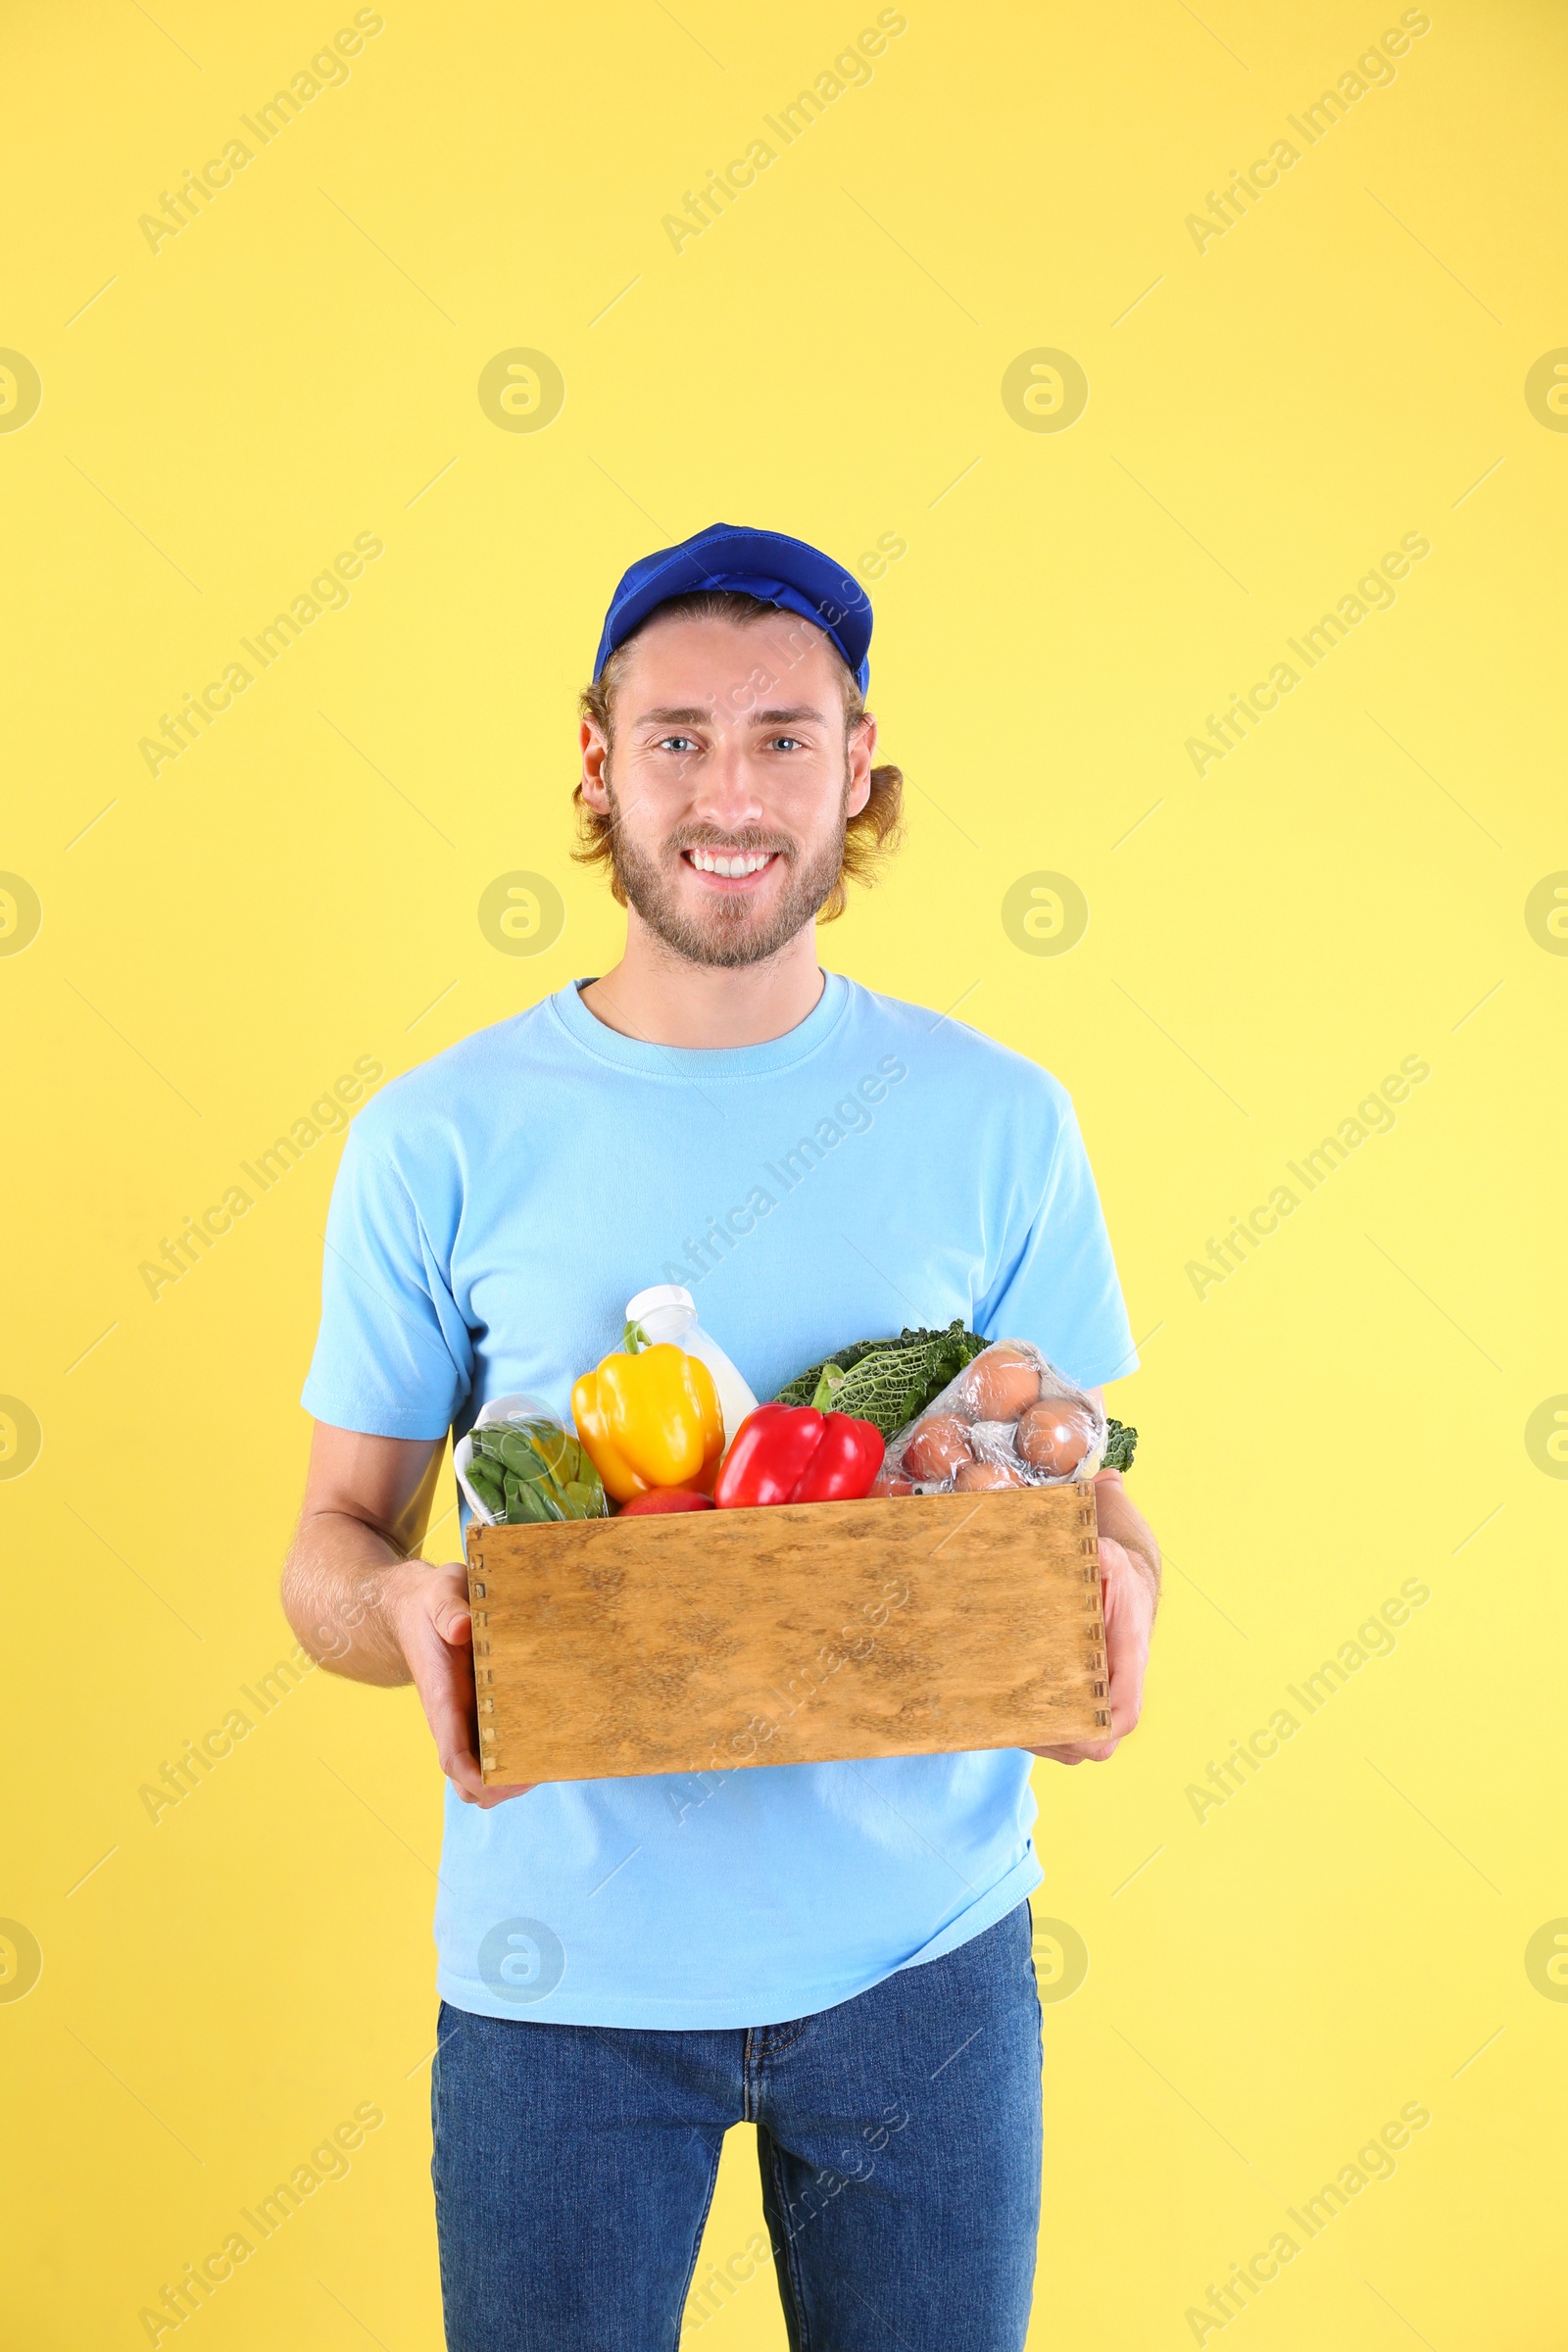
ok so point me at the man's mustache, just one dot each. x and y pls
(745, 844)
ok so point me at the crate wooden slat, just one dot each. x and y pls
(803, 1633)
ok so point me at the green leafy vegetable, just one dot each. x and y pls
(891, 1380)
(1121, 1443)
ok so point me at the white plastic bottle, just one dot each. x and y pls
(668, 1313)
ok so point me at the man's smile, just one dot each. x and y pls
(730, 870)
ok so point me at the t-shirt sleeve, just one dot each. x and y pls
(394, 1356)
(1058, 1287)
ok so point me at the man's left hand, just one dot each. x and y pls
(1127, 1587)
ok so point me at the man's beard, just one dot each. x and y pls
(728, 931)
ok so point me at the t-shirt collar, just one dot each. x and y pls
(693, 1062)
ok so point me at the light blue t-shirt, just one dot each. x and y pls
(877, 1166)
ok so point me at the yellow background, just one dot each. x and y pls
(1265, 418)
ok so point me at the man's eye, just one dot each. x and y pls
(789, 743)
(676, 743)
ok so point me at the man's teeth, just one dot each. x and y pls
(750, 862)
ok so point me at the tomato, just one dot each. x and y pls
(665, 1498)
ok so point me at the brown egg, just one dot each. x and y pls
(1053, 1435)
(886, 1486)
(937, 1447)
(978, 1477)
(999, 1384)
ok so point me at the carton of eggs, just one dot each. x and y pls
(1009, 1419)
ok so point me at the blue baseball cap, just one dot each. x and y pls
(775, 570)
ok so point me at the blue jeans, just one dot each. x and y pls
(900, 2141)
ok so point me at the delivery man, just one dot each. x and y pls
(838, 1953)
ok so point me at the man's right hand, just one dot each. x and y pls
(426, 1610)
(363, 1607)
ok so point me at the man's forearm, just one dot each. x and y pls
(1119, 1518)
(367, 1507)
(341, 1578)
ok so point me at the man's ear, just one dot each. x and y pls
(861, 754)
(595, 762)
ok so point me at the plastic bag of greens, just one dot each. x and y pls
(519, 1464)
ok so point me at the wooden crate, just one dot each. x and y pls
(803, 1634)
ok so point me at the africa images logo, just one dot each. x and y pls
(521, 1961)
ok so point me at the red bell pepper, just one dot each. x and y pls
(799, 1453)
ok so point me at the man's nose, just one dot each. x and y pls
(727, 794)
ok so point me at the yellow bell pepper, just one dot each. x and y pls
(650, 1420)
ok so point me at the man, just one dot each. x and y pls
(839, 1953)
